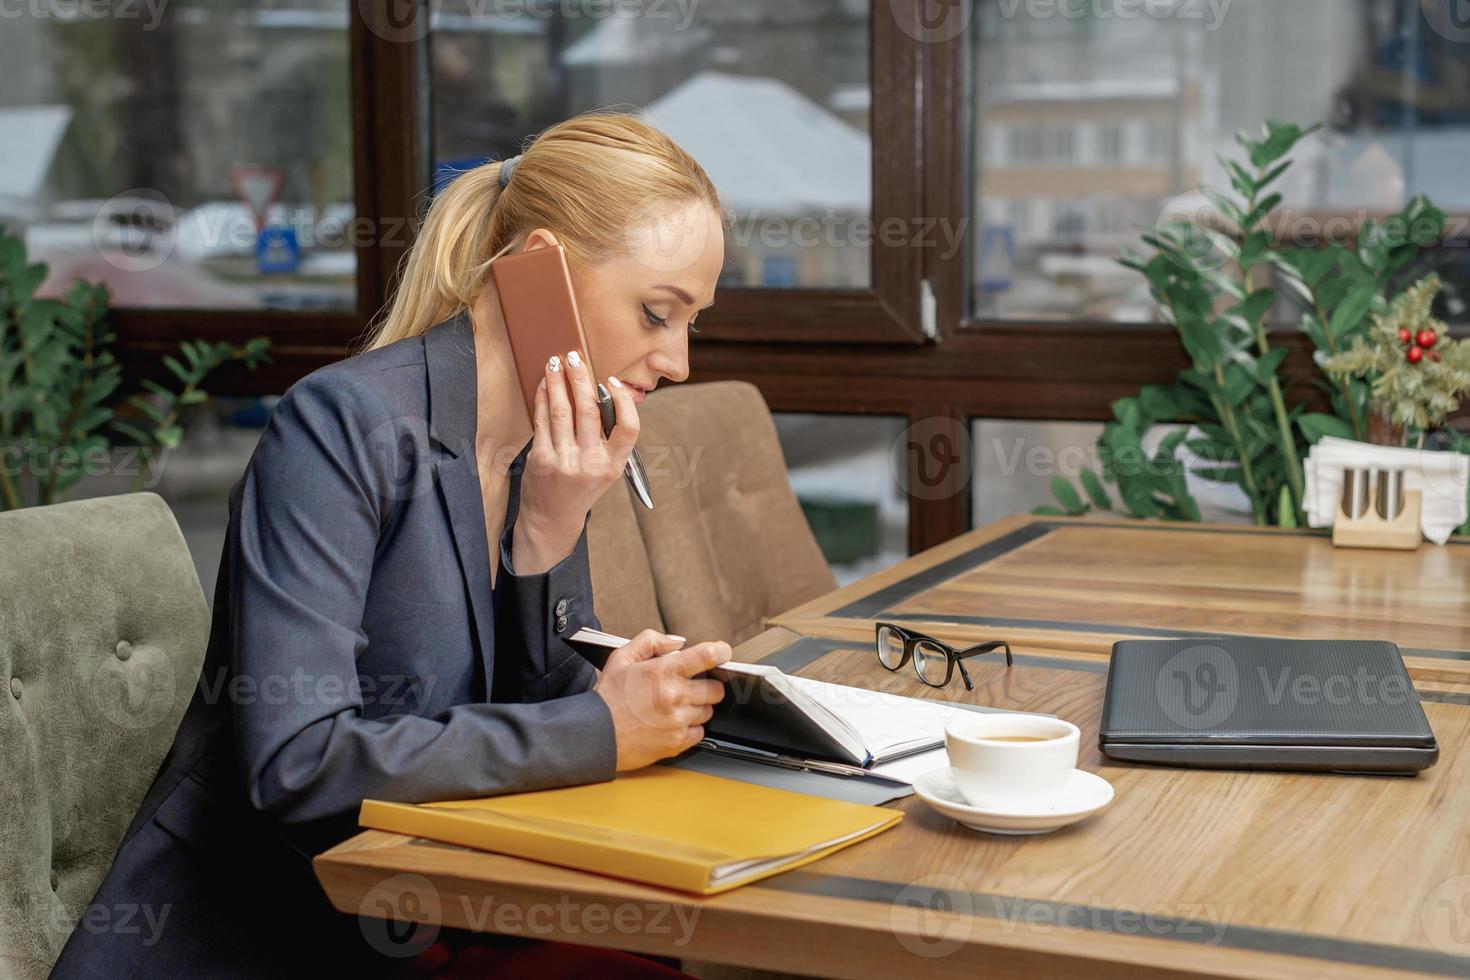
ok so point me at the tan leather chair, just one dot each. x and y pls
(622, 581)
(726, 545)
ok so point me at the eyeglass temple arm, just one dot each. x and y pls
(984, 648)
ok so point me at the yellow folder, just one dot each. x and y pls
(660, 825)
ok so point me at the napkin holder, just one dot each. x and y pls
(1372, 531)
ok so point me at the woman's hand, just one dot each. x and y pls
(570, 464)
(658, 702)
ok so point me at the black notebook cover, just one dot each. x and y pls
(1247, 702)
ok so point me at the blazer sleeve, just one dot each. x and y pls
(302, 552)
(543, 609)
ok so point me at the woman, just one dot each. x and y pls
(406, 553)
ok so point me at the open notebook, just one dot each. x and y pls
(771, 711)
(659, 825)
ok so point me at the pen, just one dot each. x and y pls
(637, 478)
(803, 765)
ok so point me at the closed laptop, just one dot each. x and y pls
(1258, 703)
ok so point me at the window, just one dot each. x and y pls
(1110, 143)
(1167, 87)
(190, 154)
(787, 83)
(848, 473)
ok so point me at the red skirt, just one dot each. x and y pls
(499, 956)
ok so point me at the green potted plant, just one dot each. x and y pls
(1211, 283)
(60, 382)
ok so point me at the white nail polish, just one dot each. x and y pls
(574, 359)
(612, 380)
(554, 364)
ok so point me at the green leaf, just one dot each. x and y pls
(1271, 176)
(1226, 206)
(1351, 310)
(1047, 511)
(1257, 243)
(1267, 364)
(1066, 495)
(1285, 512)
(1095, 489)
(1260, 211)
(139, 437)
(1310, 265)
(1255, 306)
(178, 369)
(1315, 425)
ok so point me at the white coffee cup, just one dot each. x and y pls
(1011, 760)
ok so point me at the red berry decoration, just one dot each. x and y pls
(1415, 355)
(1426, 338)
(1404, 335)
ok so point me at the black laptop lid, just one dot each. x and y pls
(1230, 690)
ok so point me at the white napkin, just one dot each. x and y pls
(1441, 477)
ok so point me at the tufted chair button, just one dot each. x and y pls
(124, 649)
(15, 687)
(55, 880)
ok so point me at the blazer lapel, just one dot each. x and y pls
(449, 353)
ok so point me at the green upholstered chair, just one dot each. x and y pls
(103, 629)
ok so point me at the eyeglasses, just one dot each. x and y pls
(934, 660)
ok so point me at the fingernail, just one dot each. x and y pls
(574, 359)
(675, 636)
(542, 385)
(612, 380)
(554, 364)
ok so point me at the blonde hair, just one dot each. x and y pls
(587, 179)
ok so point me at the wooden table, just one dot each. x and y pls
(1206, 873)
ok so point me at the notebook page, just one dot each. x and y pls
(889, 724)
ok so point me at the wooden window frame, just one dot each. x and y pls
(808, 350)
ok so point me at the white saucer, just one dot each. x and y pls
(1085, 795)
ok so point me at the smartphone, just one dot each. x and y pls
(541, 319)
(540, 311)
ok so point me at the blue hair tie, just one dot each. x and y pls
(506, 166)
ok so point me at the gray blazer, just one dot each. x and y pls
(357, 651)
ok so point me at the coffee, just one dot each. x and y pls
(1010, 760)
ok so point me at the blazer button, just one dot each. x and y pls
(15, 687)
(561, 607)
(561, 624)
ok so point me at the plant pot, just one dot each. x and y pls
(1383, 432)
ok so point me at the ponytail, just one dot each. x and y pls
(588, 180)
